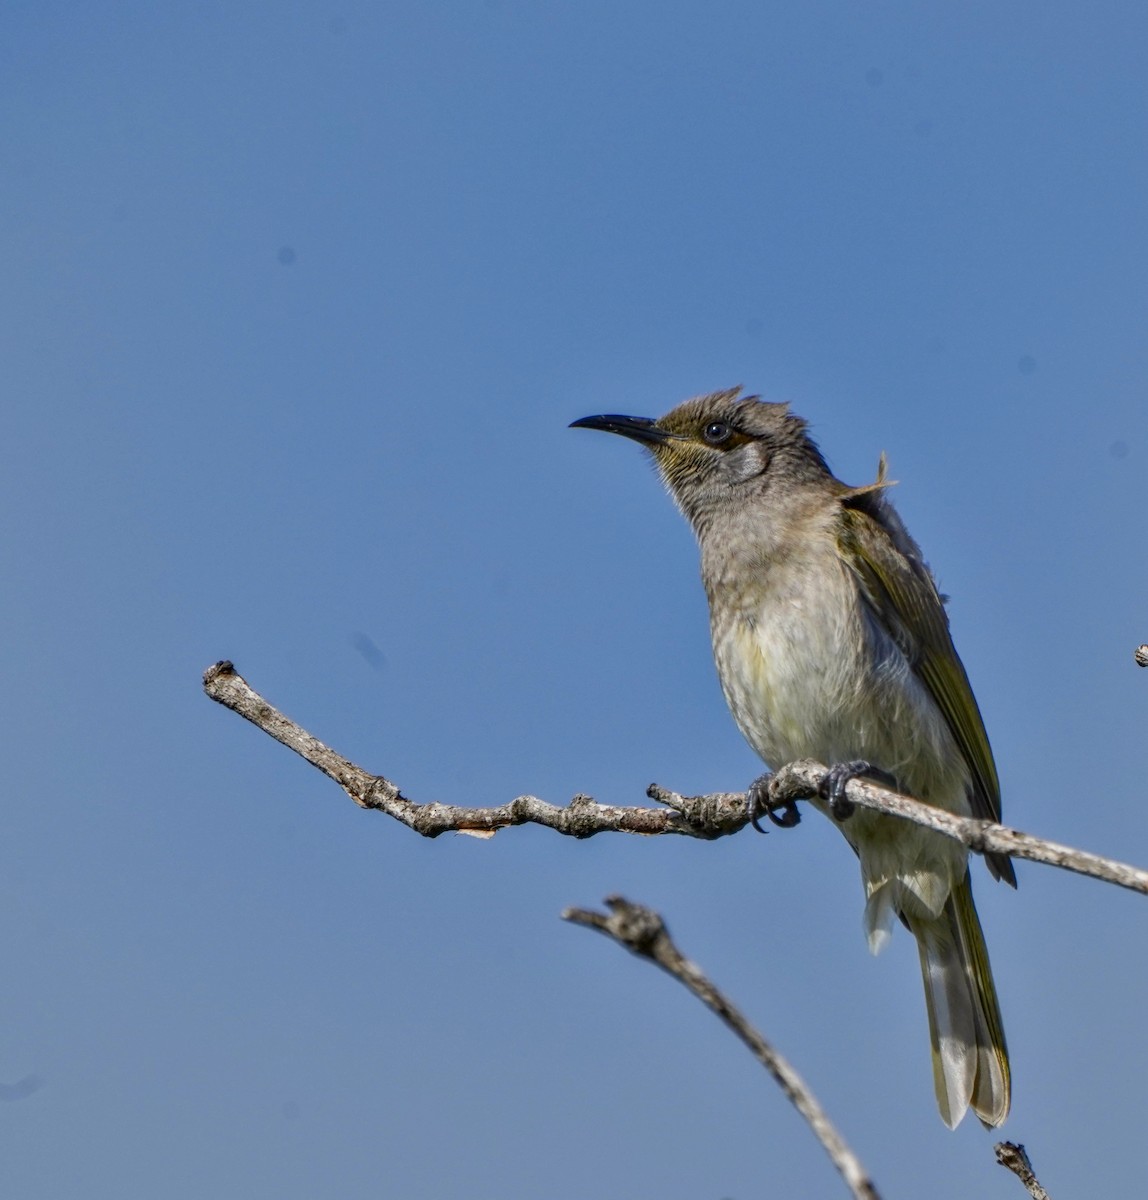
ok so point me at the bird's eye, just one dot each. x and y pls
(716, 432)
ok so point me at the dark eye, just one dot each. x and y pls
(716, 432)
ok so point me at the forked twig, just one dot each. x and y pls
(643, 932)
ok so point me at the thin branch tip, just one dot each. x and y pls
(634, 926)
(1013, 1157)
(223, 667)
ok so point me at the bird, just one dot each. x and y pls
(832, 643)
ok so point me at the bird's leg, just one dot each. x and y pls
(837, 779)
(760, 800)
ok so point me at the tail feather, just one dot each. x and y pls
(970, 1058)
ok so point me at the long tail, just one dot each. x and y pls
(970, 1059)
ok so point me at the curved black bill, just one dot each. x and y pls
(641, 429)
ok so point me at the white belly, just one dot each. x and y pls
(809, 674)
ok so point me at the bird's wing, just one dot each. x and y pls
(903, 596)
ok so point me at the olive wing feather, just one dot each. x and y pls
(903, 597)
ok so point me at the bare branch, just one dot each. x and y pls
(702, 816)
(1014, 1156)
(643, 932)
(708, 816)
(802, 779)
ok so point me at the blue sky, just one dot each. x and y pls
(298, 302)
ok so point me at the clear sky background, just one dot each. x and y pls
(297, 302)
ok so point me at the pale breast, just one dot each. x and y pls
(808, 673)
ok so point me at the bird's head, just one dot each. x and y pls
(720, 449)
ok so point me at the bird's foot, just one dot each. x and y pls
(833, 786)
(760, 800)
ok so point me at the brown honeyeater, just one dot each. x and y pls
(832, 643)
